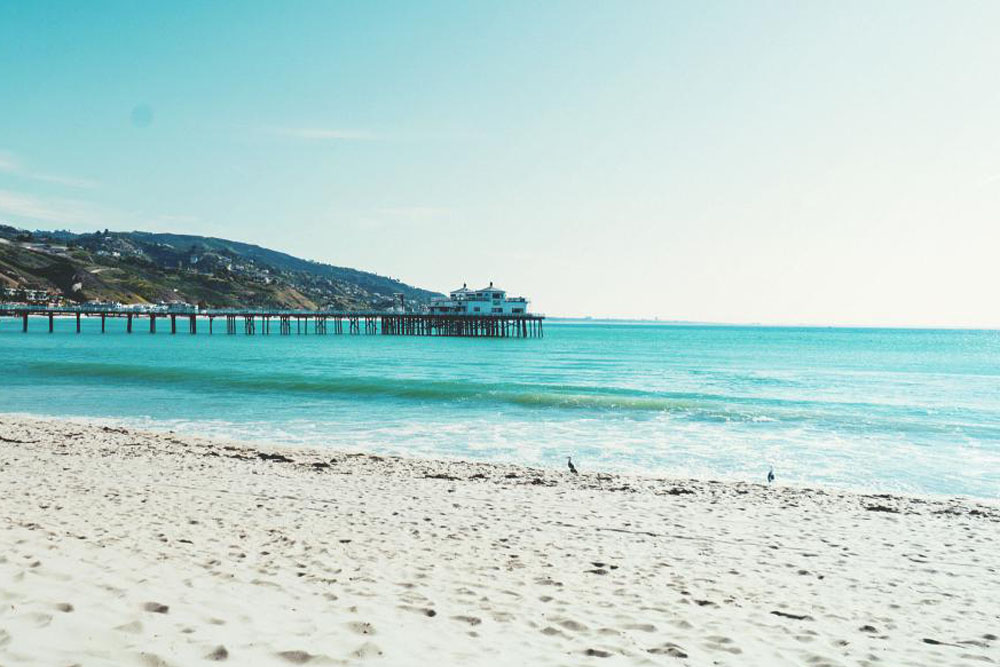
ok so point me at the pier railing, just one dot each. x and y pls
(259, 320)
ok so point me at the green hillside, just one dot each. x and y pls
(143, 267)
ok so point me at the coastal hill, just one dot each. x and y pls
(143, 267)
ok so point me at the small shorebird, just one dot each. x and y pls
(572, 468)
(770, 476)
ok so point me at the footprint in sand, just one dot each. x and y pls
(644, 627)
(367, 650)
(152, 660)
(361, 627)
(135, 627)
(219, 653)
(570, 624)
(716, 643)
(300, 657)
(40, 620)
(471, 620)
(296, 657)
(669, 649)
(597, 653)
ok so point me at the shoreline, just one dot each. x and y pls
(154, 427)
(124, 546)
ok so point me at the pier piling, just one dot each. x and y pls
(381, 323)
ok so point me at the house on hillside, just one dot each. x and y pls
(486, 301)
(35, 297)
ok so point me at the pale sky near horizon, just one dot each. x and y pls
(773, 162)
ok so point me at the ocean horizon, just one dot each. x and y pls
(882, 410)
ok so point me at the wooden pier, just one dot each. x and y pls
(301, 322)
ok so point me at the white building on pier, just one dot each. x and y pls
(486, 301)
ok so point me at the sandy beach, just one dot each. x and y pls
(121, 547)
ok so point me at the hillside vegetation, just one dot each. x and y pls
(143, 267)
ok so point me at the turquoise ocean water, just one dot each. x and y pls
(877, 409)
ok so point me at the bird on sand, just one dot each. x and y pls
(572, 468)
(770, 476)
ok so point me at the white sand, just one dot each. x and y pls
(131, 548)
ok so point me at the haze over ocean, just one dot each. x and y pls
(887, 410)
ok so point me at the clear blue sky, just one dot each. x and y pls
(782, 162)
